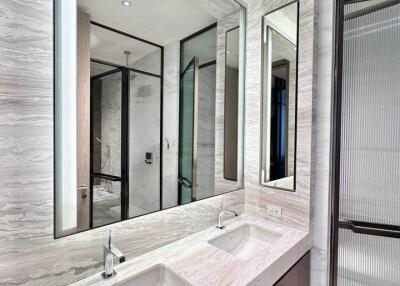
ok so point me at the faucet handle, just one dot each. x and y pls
(109, 239)
(221, 205)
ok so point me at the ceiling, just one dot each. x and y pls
(158, 21)
(110, 47)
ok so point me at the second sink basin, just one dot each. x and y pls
(158, 275)
(245, 241)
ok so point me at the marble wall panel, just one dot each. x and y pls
(320, 251)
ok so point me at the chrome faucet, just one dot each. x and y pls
(109, 252)
(221, 213)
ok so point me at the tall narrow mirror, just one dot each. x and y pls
(231, 104)
(279, 100)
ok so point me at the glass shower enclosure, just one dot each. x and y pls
(125, 127)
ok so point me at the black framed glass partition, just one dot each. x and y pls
(126, 115)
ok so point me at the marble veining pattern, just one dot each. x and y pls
(214, 267)
(69, 259)
(320, 251)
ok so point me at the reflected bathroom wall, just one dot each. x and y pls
(206, 135)
(134, 72)
(227, 123)
(144, 142)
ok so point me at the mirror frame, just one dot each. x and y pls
(56, 93)
(263, 85)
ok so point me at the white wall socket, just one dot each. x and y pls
(274, 211)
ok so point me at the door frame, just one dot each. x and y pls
(366, 228)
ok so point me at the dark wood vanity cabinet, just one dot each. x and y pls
(298, 275)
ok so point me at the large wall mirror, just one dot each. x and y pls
(279, 98)
(149, 97)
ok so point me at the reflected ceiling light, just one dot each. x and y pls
(126, 3)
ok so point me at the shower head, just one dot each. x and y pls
(127, 54)
(98, 139)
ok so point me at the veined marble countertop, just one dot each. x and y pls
(200, 263)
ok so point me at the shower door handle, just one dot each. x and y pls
(369, 228)
(185, 182)
(82, 190)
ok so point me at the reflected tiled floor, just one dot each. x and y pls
(101, 211)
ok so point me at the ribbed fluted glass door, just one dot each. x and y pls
(370, 142)
(368, 260)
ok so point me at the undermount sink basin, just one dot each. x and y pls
(158, 275)
(245, 241)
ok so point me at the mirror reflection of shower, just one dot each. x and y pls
(127, 63)
(127, 54)
(105, 167)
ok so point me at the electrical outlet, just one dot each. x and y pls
(274, 211)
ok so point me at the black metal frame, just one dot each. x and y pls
(194, 35)
(335, 144)
(296, 104)
(125, 34)
(54, 124)
(355, 226)
(210, 63)
(125, 145)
